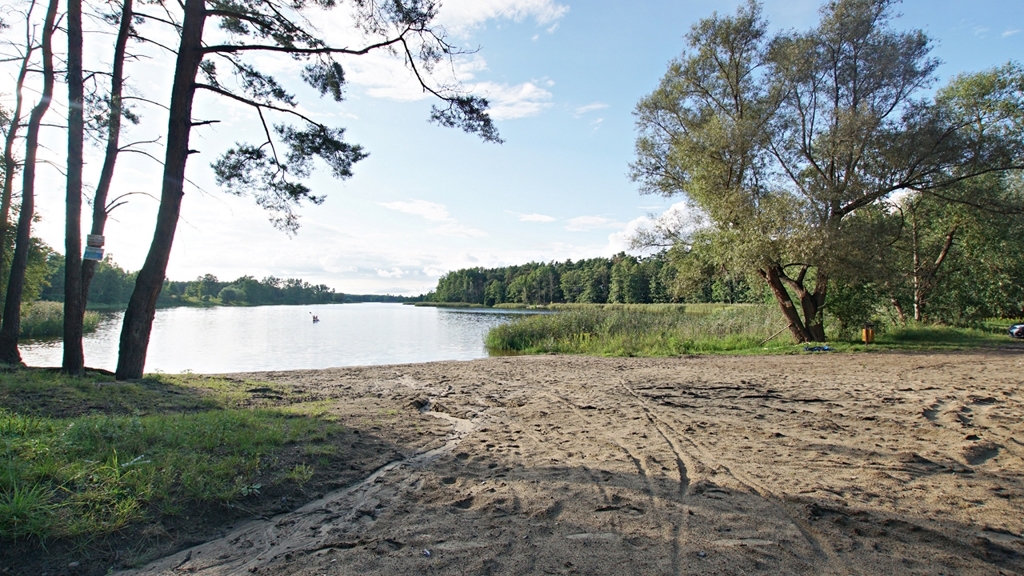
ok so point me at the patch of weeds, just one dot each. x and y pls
(299, 474)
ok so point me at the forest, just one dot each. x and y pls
(112, 287)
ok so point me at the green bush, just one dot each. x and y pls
(231, 294)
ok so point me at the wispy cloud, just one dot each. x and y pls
(1009, 33)
(509, 102)
(435, 212)
(536, 218)
(457, 230)
(585, 223)
(385, 77)
(460, 15)
(430, 210)
(393, 273)
(589, 108)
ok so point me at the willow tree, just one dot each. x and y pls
(782, 141)
(270, 171)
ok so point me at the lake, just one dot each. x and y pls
(238, 339)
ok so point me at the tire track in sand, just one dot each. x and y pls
(646, 473)
(814, 538)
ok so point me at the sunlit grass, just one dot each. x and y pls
(81, 458)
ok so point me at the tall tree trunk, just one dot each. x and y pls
(773, 276)
(74, 306)
(12, 303)
(138, 318)
(99, 203)
(10, 164)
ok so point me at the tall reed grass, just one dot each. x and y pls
(641, 330)
(46, 320)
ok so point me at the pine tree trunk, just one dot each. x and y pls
(10, 164)
(138, 318)
(99, 205)
(74, 306)
(12, 303)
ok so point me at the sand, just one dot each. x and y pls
(810, 464)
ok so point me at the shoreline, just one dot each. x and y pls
(894, 462)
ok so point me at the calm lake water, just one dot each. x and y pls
(235, 339)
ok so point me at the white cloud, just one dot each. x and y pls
(680, 220)
(430, 210)
(393, 273)
(536, 218)
(620, 241)
(589, 108)
(509, 102)
(457, 230)
(384, 76)
(585, 223)
(1009, 33)
(461, 15)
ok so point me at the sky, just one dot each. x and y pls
(563, 78)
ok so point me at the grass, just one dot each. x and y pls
(675, 329)
(638, 330)
(84, 458)
(46, 319)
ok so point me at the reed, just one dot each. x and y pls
(640, 330)
(46, 320)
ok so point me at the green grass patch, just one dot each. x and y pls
(43, 319)
(84, 458)
(675, 329)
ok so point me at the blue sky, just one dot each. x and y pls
(563, 76)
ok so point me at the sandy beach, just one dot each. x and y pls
(876, 463)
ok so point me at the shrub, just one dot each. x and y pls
(231, 294)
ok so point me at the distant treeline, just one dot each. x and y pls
(112, 286)
(619, 279)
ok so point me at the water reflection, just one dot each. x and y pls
(233, 339)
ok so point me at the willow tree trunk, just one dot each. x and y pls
(99, 203)
(74, 305)
(138, 318)
(12, 303)
(773, 275)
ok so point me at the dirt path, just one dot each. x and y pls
(824, 464)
